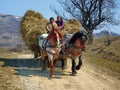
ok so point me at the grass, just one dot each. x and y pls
(109, 67)
(7, 75)
(8, 54)
(105, 58)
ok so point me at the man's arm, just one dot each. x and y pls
(48, 27)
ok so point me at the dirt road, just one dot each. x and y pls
(30, 78)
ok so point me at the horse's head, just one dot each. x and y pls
(76, 39)
(55, 37)
(75, 44)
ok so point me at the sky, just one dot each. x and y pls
(19, 7)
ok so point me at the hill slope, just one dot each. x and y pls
(10, 31)
(106, 57)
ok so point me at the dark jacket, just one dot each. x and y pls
(60, 24)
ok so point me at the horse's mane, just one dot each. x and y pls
(52, 34)
(75, 37)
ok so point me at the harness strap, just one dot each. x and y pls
(69, 52)
(76, 47)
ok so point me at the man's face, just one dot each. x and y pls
(59, 18)
(51, 21)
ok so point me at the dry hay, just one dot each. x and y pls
(72, 26)
(33, 24)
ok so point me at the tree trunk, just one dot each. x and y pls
(90, 37)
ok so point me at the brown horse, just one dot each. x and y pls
(50, 47)
(73, 50)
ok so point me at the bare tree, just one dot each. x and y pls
(91, 13)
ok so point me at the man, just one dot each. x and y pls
(51, 25)
(60, 22)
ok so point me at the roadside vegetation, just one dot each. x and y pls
(105, 58)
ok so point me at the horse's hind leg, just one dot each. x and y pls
(79, 63)
(73, 67)
(64, 63)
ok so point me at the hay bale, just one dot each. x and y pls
(72, 26)
(32, 25)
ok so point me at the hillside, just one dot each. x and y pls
(10, 31)
(112, 52)
(103, 33)
(106, 56)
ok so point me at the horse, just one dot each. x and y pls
(73, 49)
(50, 47)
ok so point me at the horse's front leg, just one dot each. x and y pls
(52, 68)
(44, 63)
(74, 67)
(79, 63)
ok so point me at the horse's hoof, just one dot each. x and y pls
(77, 67)
(74, 74)
(52, 76)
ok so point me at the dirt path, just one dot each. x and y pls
(87, 79)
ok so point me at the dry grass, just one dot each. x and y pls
(72, 26)
(7, 73)
(6, 78)
(105, 57)
(32, 25)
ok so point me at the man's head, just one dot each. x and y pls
(51, 19)
(59, 18)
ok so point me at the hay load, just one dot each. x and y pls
(32, 25)
(72, 26)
